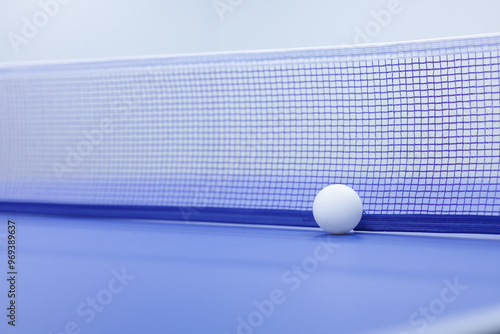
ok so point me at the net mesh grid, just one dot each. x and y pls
(414, 128)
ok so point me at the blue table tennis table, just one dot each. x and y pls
(95, 275)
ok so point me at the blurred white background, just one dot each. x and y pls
(75, 29)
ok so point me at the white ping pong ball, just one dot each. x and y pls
(337, 209)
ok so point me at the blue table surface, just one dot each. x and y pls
(79, 275)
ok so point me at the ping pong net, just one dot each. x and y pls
(251, 137)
